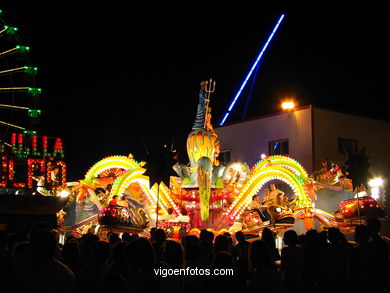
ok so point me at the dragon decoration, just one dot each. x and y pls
(206, 192)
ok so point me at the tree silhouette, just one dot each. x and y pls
(159, 166)
(159, 169)
(357, 165)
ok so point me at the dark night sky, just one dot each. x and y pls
(117, 78)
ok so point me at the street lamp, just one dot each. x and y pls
(288, 105)
(375, 184)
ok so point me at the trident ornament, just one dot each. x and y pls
(209, 88)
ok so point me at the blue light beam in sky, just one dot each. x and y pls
(251, 71)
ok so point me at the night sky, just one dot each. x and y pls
(125, 79)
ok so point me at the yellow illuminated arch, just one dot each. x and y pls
(136, 175)
(123, 162)
(284, 161)
(276, 167)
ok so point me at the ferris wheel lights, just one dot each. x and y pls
(30, 69)
(34, 113)
(10, 29)
(22, 49)
(33, 91)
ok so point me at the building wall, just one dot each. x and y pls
(371, 133)
(249, 139)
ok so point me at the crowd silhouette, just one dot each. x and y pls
(33, 261)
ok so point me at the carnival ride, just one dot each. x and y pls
(25, 158)
(17, 80)
(207, 194)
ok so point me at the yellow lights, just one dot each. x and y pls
(165, 192)
(288, 105)
(123, 162)
(263, 156)
(134, 175)
(375, 185)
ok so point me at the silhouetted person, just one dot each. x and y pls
(38, 270)
(311, 254)
(332, 264)
(292, 263)
(113, 238)
(152, 231)
(118, 261)
(206, 244)
(268, 237)
(141, 261)
(230, 240)
(189, 238)
(70, 254)
(381, 253)
(221, 243)
(203, 235)
(87, 241)
(362, 266)
(93, 273)
(173, 254)
(344, 241)
(193, 253)
(241, 255)
(173, 257)
(241, 250)
(323, 239)
(159, 238)
(264, 276)
(126, 236)
(223, 276)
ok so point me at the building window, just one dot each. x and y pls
(347, 145)
(224, 156)
(279, 147)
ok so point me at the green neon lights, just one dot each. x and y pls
(33, 91)
(34, 113)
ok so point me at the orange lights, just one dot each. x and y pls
(32, 166)
(56, 180)
(3, 179)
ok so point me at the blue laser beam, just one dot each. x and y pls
(251, 70)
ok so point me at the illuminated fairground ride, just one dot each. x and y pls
(209, 195)
(32, 169)
(18, 95)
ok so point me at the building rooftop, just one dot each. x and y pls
(299, 109)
